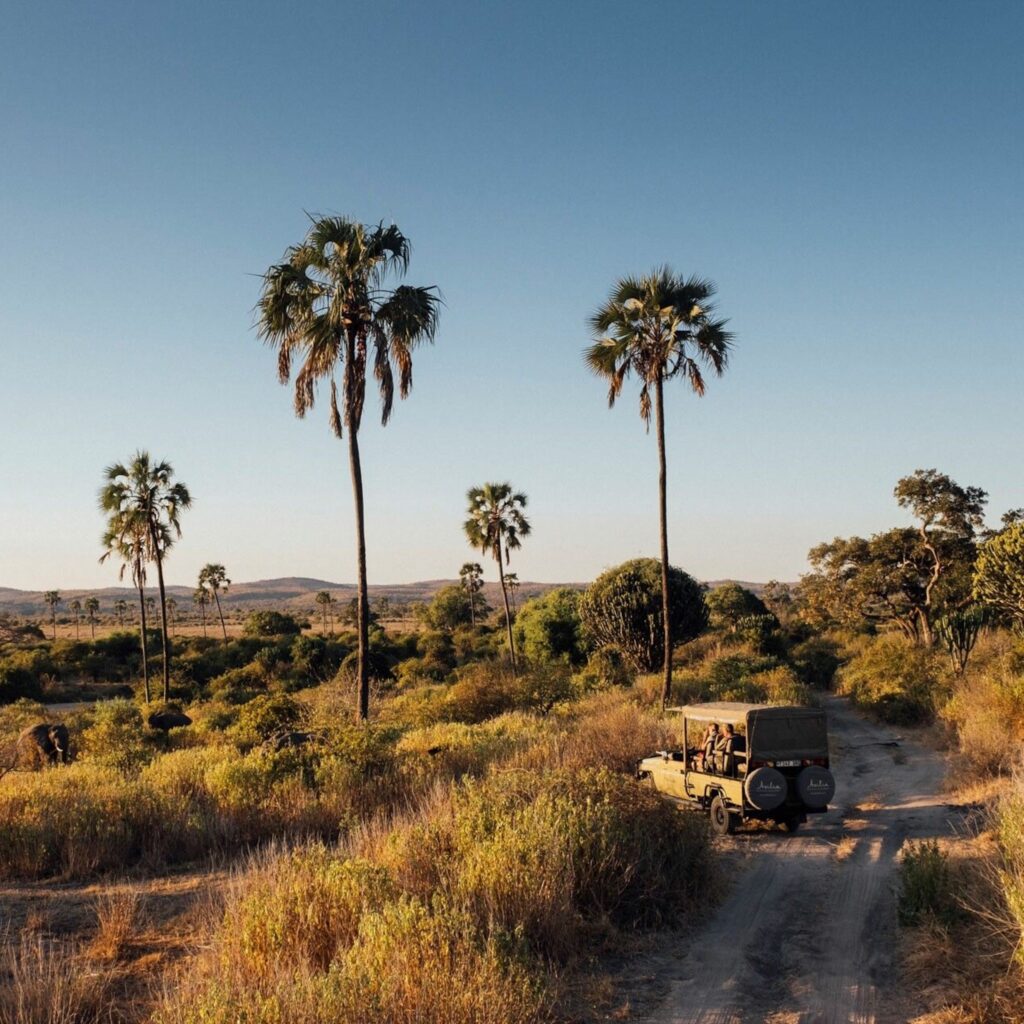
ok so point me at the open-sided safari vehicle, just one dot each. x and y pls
(765, 763)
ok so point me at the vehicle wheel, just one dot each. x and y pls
(722, 822)
(791, 824)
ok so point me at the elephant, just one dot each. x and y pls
(167, 720)
(287, 740)
(43, 744)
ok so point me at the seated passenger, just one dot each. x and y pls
(709, 744)
(724, 748)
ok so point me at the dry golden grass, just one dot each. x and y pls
(117, 913)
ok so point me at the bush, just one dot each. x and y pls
(116, 738)
(1010, 832)
(549, 628)
(816, 661)
(926, 892)
(622, 609)
(265, 716)
(895, 680)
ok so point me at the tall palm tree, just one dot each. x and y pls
(328, 304)
(120, 607)
(658, 327)
(147, 489)
(172, 614)
(76, 607)
(471, 576)
(201, 598)
(53, 599)
(495, 525)
(512, 582)
(92, 606)
(324, 599)
(126, 538)
(214, 577)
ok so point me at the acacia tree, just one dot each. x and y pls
(495, 526)
(201, 598)
(659, 327)
(126, 539)
(214, 578)
(76, 607)
(948, 518)
(471, 577)
(146, 489)
(53, 600)
(327, 303)
(92, 606)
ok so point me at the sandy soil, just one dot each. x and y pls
(808, 932)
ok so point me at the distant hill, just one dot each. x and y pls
(290, 593)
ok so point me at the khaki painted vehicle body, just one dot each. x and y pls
(777, 768)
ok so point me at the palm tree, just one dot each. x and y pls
(201, 598)
(471, 575)
(495, 525)
(172, 608)
(214, 578)
(120, 607)
(126, 538)
(512, 582)
(147, 489)
(324, 599)
(53, 599)
(659, 327)
(92, 606)
(151, 604)
(327, 303)
(76, 607)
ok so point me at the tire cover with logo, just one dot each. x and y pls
(816, 786)
(766, 788)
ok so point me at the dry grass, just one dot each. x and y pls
(47, 983)
(117, 914)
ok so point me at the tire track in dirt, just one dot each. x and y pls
(808, 932)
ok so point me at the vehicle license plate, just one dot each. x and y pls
(787, 764)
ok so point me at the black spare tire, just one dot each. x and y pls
(815, 786)
(766, 788)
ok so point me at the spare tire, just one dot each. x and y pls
(815, 786)
(765, 788)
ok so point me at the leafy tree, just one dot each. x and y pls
(120, 609)
(92, 606)
(549, 628)
(948, 517)
(53, 600)
(495, 526)
(778, 598)
(730, 603)
(623, 607)
(327, 304)
(76, 608)
(271, 623)
(659, 327)
(201, 599)
(146, 489)
(999, 575)
(450, 608)
(214, 578)
(471, 576)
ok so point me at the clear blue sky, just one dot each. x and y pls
(849, 174)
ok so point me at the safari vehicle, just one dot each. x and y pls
(775, 767)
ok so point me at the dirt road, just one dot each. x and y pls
(807, 934)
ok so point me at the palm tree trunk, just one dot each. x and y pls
(53, 615)
(142, 637)
(666, 685)
(202, 612)
(224, 629)
(362, 601)
(508, 614)
(166, 642)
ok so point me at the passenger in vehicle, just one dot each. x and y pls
(709, 743)
(724, 747)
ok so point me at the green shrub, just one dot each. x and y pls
(926, 891)
(116, 738)
(264, 716)
(548, 628)
(271, 623)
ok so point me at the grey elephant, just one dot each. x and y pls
(43, 744)
(167, 720)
